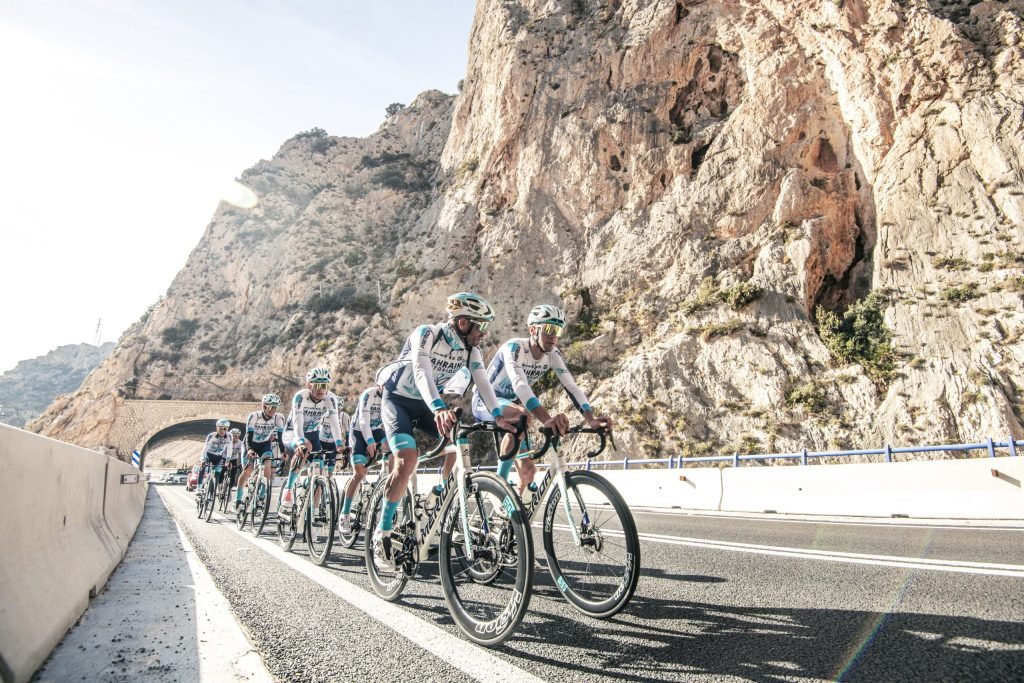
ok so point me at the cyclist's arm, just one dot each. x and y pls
(279, 428)
(422, 371)
(335, 423)
(520, 384)
(576, 395)
(250, 432)
(483, 385)
(364, 416)
(298, 428)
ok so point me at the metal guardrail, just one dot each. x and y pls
(804, 456)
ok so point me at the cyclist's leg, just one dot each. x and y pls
(243, 478)
(202, 474)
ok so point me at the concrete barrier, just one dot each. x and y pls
(65, 523)
(954, 489)
(692, 489)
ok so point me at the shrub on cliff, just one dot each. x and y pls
(860, 337)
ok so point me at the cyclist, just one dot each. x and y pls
(518, 364)
(430, 357)
(365, 438)
(216, 447)
(234, 458)
(262, 429)
(310, 407)
(330, 445)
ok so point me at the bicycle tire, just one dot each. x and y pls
(211, 499)
(261, 506)
(242, 511)
(489, 612)
(349, 540)
(387, 584)
(320, 536)
(599, 582)
(286, 528)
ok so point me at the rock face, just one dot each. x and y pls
(652, 166)
(30, 387)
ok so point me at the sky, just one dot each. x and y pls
(123, 124)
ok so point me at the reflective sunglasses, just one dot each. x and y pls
(319, 386)
(482, 326)
(551, 330)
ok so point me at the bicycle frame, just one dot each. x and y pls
(427, 532)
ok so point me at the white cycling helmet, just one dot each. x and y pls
(318, 376)
(271, 400)
(545, 314)
(235, 432)
(469, 305)
(223, 422)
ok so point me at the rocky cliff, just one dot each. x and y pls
(32, 385)
(775, 225)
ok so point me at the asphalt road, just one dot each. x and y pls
(719, 598)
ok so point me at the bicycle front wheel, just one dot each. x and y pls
(487, 592)
(211, 500)
(320, 520)
(387, 583)
(598, 574)
(261, 506)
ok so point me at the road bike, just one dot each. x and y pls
(312, 513)
(256, 501)
(590, 538)
(207, 497)
(485, 550)
(224, 494)
(361, 503)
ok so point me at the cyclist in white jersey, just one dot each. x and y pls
(310, 407)
(234, 459)
(262, 429)
(328, 442)
(215, 447)
(365, 438)
(430, 357)
(518, 364)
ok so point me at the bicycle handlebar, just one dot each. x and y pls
(550, 438)
(460, 429)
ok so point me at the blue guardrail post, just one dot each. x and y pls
(991, 448)
(888, 453)
(1013, 446)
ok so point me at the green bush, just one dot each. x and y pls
(741, 294)
(180, 332)
(311, 133)
(960, 294)
(808, 396)
(707, 295)
(394, 108)
(860, 337)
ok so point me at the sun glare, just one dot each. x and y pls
(237, 194)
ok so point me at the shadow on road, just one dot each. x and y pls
(658, 639)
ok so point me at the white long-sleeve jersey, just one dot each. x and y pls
(259, 429)
(216, 445)
(430, 357)
(307, 415)
(367, 416)
(513, 370)
(344, 424)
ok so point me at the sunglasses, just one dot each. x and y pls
(551, 330)
(319, 386)
(482, 326)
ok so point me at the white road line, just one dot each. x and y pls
(469, 658)
(971, 524)
(225, 652)
(989, 568)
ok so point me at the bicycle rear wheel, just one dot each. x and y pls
(599, 575)
(242, 512)
(211, 499)
(359, 518)
(320, 520)
(487, 594)
(387, 583)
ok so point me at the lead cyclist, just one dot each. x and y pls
(517, 365)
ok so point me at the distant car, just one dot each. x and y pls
(193, 479)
